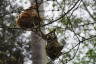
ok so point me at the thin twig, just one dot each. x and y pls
(52, 21)
(88, 10)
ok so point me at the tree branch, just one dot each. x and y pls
(88, 11)
(52, 21)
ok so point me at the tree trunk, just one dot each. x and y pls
(38, 46)
(38, 50)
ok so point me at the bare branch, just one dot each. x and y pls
(52, 21)
(88, 11)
